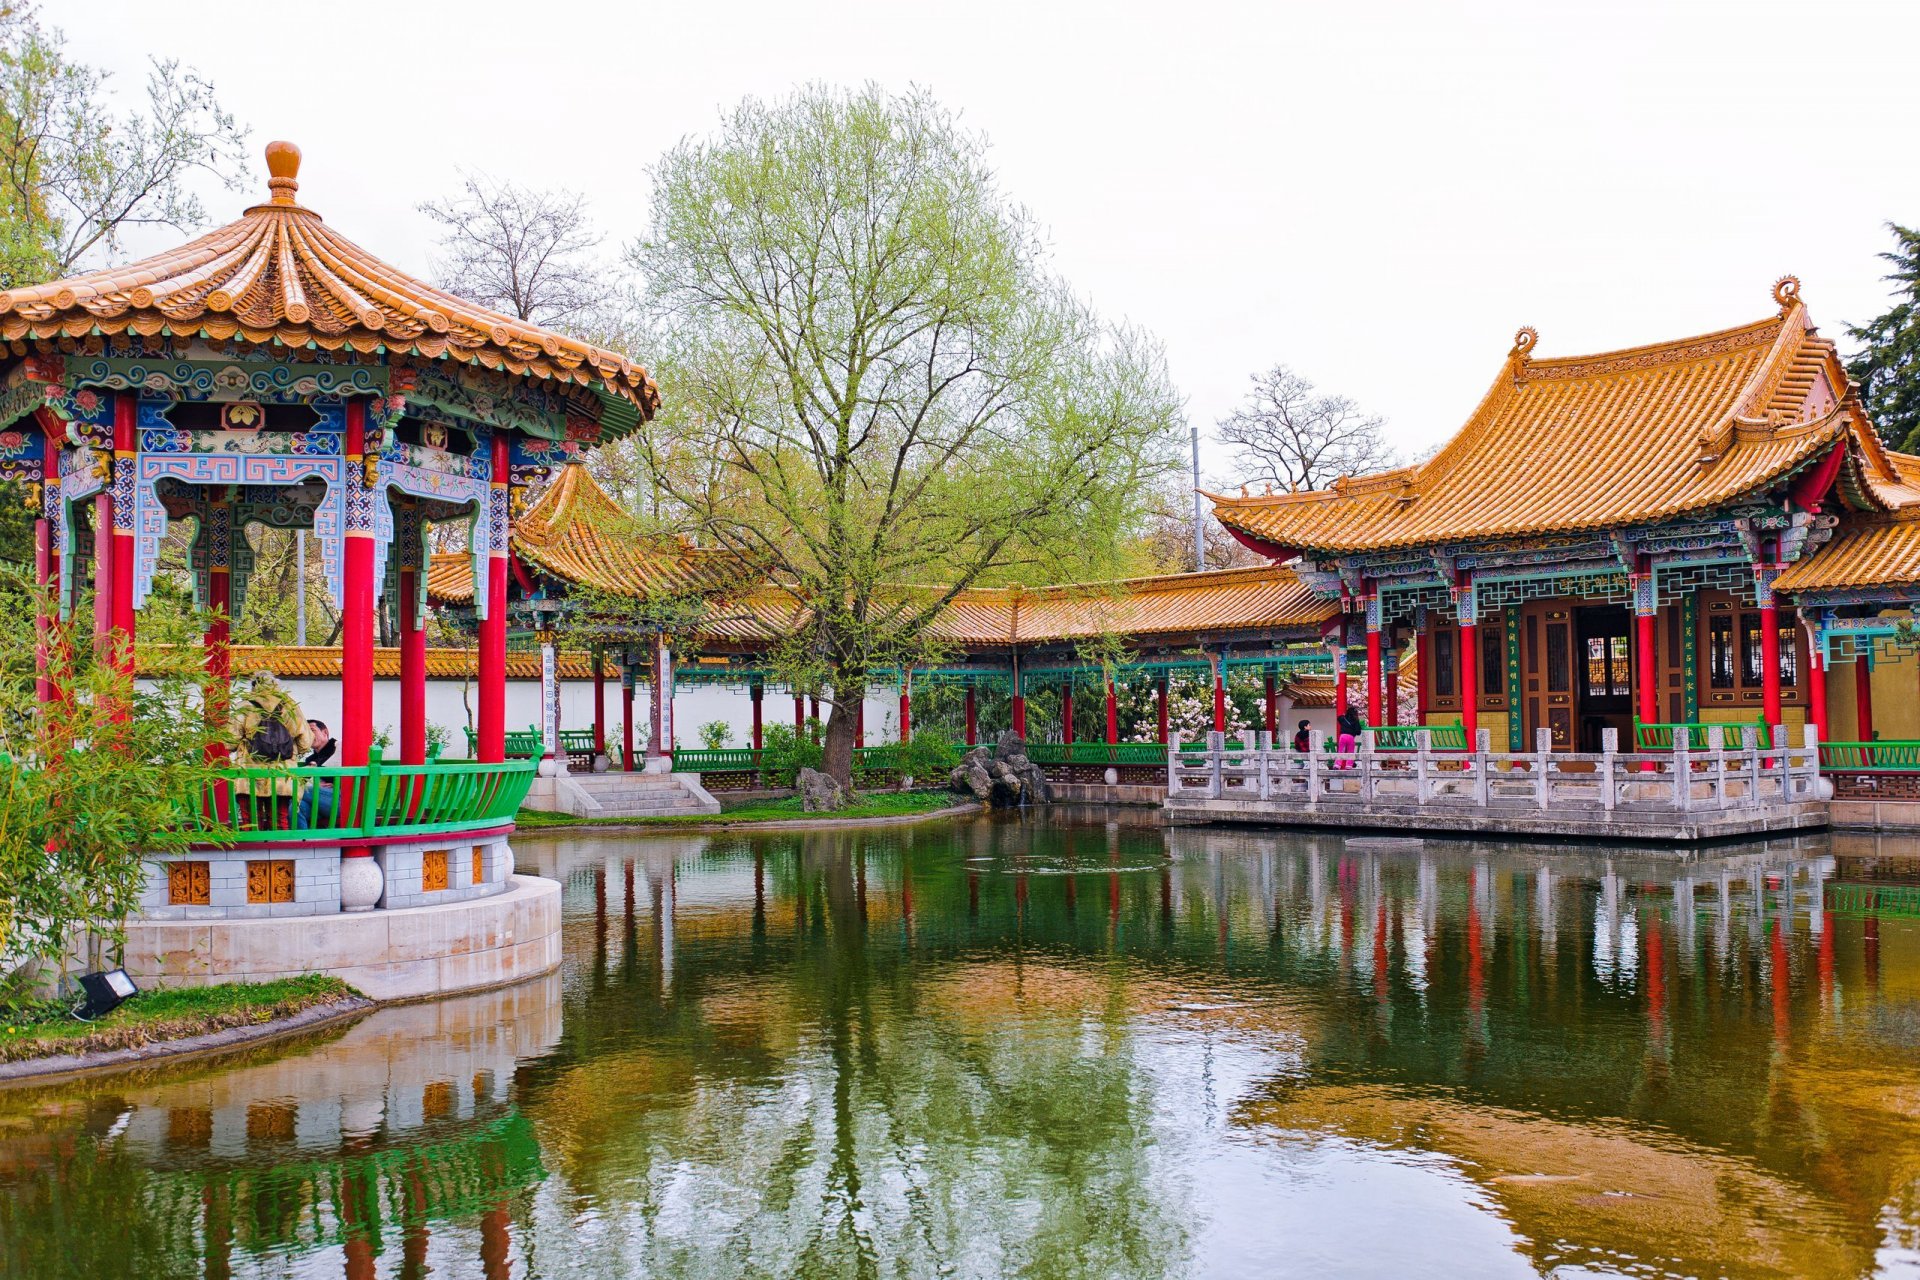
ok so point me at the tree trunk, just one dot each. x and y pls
(839, 745)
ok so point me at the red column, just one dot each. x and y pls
(1019, 701)
(799, 717)
(599, 702)
(1113, 712)
(1375, 683)
(413, 669)
(1422, 674)
(219, 633)
(1863, 697)
(1770, 662)
(860, 722)
(493, 628)
(1160, 697)
(813, 714)
(1817, 688)
(626, 714)
(757, 694)
(1393, 692)
(125, 414)
(1469, 683)
(1066, 711)
(1219, 695)
(102, 568)
(356, 614)
(973, 722)
(1272, 706)
(906, 706)
(1340, 681)
(43, 574)
(1645, 660)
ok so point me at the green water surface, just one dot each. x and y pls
(1055, 1047)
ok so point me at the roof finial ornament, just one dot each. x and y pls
(1523, 342)
(283, 169)
(1786, 292)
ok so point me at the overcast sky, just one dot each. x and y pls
(1377, 195)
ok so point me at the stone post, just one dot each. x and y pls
(1482, 748)
(1542, 761)
(1316, 745)
(1609, 747)
(1422, 755)
(1216, 758)
(1682, 770)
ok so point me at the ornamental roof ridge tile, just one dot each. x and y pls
(279, 273)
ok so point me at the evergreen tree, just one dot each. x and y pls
(1887, 366)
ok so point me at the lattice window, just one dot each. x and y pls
(189, 884)
(1683, 583)
(1397, 604)
(1609, 587)
(270, 880)
(479, 867)
(433, 870)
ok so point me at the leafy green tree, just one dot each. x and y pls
(95, 781)
(882, 381)
(1887, 366)
(76, 174)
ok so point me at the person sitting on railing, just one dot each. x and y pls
(272, 733)
(319, 796)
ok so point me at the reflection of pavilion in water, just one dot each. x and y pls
(377, 1140)
(1570, 989)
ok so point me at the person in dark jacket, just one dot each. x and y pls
(1301, 738)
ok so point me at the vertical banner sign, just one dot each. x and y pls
(549, 701)
(665, 676)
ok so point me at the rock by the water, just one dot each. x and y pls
(1001, 775)
(819, 793)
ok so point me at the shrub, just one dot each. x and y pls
(715, 734)
(787, 754)
(929, 754)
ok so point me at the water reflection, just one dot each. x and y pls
(1087, 1047)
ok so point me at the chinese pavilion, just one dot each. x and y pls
(1685, 532)
(272, 372)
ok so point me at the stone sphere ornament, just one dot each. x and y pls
(361, 882)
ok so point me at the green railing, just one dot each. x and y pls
(1099, 753)
(1659, 737)
(1888, 756)
(1857, 899)
(522, 744)
(717, 760)
(1402, 737)
(375, 801)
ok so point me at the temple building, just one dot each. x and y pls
(1692, 532)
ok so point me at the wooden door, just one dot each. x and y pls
(1547, 671)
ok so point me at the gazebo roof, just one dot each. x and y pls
(577, 533)
(1606, 441)
(281, 275)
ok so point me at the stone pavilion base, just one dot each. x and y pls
(407, 953)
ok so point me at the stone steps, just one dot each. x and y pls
(621, 795)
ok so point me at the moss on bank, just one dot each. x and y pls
(47, 1027)
(875, 804)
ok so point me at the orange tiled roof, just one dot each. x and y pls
(322, 662)
(575, 532)
(1866, 551)
(1250, 598)
(280, 274)
(1601, 441)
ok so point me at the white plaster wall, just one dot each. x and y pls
(692, 707)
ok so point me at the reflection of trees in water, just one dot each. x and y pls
(865, 1130)
(816, 1049)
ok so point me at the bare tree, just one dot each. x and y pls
(1289, 435)
(75, 174)
(529, 254)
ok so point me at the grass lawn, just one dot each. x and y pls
(873, 804)
(46, 1027)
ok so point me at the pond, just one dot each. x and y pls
(1071, 1046)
